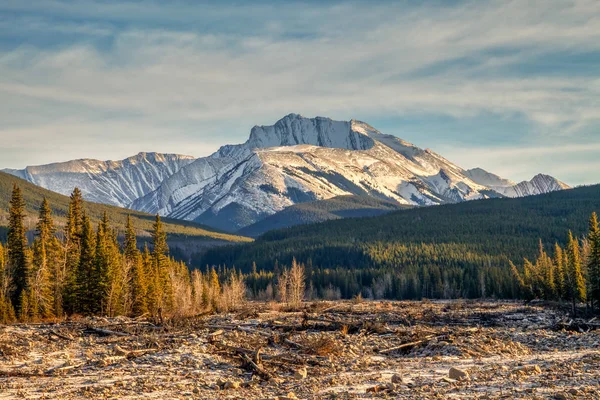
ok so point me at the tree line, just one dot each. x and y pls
(97, 270)
(85, 270)
(571, 273)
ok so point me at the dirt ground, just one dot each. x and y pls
(329, 350)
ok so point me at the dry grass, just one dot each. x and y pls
(320, 345)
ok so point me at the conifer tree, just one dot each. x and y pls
(153, 284)
(67, 278)
(594, 261)
(160, 251)
(111, 277)
(133, 259)
(45, 260)
(7, 312)
(215, 288)
(546, 271)
(575, 283)
(85, 288)
(559, 266)
(17, 251)
(197, 289)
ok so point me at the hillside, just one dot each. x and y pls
(476, 234)
(323, 210)
(33, 196)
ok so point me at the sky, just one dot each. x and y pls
(509, 86)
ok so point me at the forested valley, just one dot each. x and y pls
(100, 270)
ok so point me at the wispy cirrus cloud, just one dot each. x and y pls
(196, 67)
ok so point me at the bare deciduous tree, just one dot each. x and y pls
(296, 284)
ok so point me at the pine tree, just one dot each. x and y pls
(575, 283)
(66, 279)
(7, 312)
(160, 251)
(559, 266)
(133, 259)
(111, 278)
(546, 271)
(85, 288)
(153, 284)
(215, 288)
(17, 250)
(594, 261)
(45, 260)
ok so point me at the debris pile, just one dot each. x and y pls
(344, 350)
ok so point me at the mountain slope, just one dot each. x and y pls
(322, 210)
(33, 196)
(296, 160)
(539, 184)
(116, 183)
(306, 159)
(477, 234)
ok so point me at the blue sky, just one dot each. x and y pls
(511, 86)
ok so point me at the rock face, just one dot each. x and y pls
(117, 183)
(295, 160)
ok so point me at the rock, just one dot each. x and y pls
(119, 351)
(231, 385)
(301, 373)
(396, 378)
(573, 391)
(561, 396)
(528, 369)
(458, 374)
(289, 396)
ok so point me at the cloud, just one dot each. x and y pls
(194, 64)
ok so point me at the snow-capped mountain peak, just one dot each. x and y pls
(295, 160)
(118, 183)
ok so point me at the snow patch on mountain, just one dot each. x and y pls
(295, 160)
(118, 183)
(539, 184)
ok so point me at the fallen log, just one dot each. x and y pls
(251, 365)
(103, 332)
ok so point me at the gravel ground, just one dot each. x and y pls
(328, 350)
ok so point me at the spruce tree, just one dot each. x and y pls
(559, 274)
(546, 272)
(86, 300)
(214, 287)
(110, 280)
(160, 251)
(67, 298)
(7, 312)
(133, 259)
(45, 260)
(594, 261)
(153, 286)
(17, 250)
(574, 277)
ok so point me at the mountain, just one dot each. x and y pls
(475, 235)
(488, 179)
(116, 183)
(322, 210)
(294, 161)
(180, 233)
(539, 184)
(306, 159)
